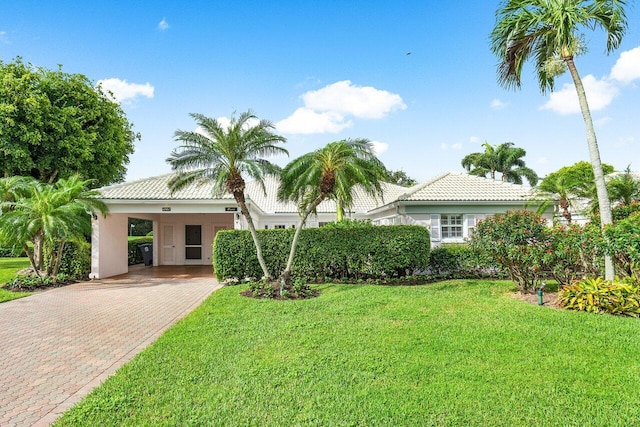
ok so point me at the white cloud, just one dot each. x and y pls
(307, 121)
(379, 147)
(163, 25)
(474, 139)
(600, 93)
(627, 67)
(496, 104)
(328, 109)
(603, 121)
(359, 101)
(123, 91)
(455, 146)
(625, 141)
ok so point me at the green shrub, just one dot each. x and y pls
(134, 253)
(517, 241)
(574, 252)
(11, 252)
(76, 261)
(28, 283)
(362, 252)
(623, 211)
(461, 261)
(623, 244)
(600, 296)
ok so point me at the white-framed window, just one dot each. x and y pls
(280, 226)
(451, 226)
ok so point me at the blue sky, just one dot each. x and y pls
(324, 71)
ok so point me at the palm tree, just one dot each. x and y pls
(550, 32)
(557, 185)
(331, 172)
(222, 154)
(14, 187)
(505, 159)
(48, 216)
(624, 188)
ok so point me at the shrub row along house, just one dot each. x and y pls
(185, 222)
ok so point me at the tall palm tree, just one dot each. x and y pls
(48, 216)
(550, 32)
(331, 172)
(505, 159)
(222, 154)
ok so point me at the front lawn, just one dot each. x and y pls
(456, 353)
(8, 269)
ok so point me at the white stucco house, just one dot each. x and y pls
(186, 222)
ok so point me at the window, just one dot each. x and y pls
(280, 226)
(451, 226)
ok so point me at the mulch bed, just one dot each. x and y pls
(550, 299)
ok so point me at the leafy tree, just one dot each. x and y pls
(550, 33)
(45, 217)
(505, 159)
(578, 178)
(222, 154)
(399, 177)
(624, 188)
(330, 172)
(54, 124)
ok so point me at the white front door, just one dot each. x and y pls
(168, 245)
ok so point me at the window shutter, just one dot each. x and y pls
(470, 224)
(435, 227)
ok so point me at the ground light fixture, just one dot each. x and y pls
(539, 292)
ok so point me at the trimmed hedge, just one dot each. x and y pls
(461, 261)
(365, 252)
(134, 253)
(76, 260)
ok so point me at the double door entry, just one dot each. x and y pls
(192, 244)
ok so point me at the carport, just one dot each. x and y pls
(184, 224)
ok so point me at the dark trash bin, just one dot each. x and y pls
(147, 253)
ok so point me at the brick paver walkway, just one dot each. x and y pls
(56, 346)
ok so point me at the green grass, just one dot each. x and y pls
(8, 269)
(457, 353)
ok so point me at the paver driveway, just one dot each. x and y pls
(56, 346)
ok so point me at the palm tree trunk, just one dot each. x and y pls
(596, 164)
(254, 235)
(339, 211)
(38, 249)
(285, 277)
(31, 259)
(58, 259)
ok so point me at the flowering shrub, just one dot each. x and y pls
(518, 241)
(623, 244)
(574, 252)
